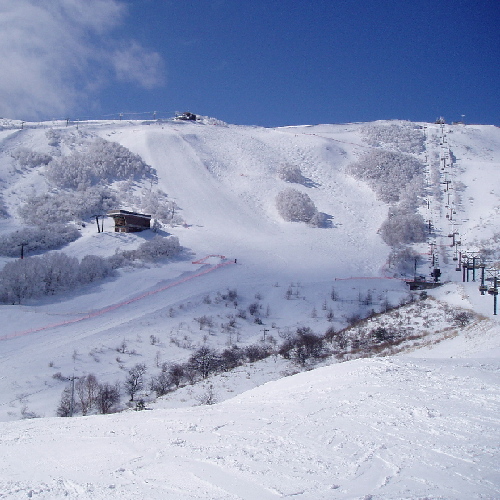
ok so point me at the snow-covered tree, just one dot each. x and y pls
(388, 173)
(94, 268)
(159, 248)
(48, 274)
(404, 137)
(296, 206)
(67, 205)
(100, 161)
(19, 280)
(290, 173)
(30, 159)
(58, 272)
(403, 228)
(37, 239)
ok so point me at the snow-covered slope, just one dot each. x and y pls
(389, 428)
(423, 425)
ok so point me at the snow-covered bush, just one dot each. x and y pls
(57, 271)
(36, 239)
(403, 137)
(403, 228)
(94, 268)
(158, 248)
(48, 274)
(411, 195)
(53, 136)
(295, 206)
(387, 173)
(290, 173)
(36, 276)
(101, 161)
(19, 280)
(30, 159)
(153, 202)
(402, 260)
(67, 206)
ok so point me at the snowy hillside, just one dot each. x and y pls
(363, 207)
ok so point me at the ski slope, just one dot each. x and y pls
(419, 425)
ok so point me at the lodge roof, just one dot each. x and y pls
(113, 213)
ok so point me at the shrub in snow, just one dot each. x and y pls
(57, 271)
(30, 159)
(157, 204)
(302, 346)
(53, 136)
(67, 206)
(158, 248)
(295, 206)
(150, 201)
(290, 173)
(101, 161)
(403, 137)
(36, 276)
(37, 239)
(208, 397)
(318, 220)
(19, 280)
(161, 384)
(387, 172)
(256, 352)
(463, 318)
(94, 268)
(47, 275)
(403, 228)
(402, 260)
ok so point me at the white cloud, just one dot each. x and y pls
(132, 63)
(56, 53)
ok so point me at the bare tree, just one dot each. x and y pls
(108, 397)
(205, 321)
(161, 384)
(204, 361)
(64, 408)
(135, 379)
(176, 373)
(81, 392)
(87, 390)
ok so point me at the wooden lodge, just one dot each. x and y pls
(129, 222)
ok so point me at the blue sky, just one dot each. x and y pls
(255, 62)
